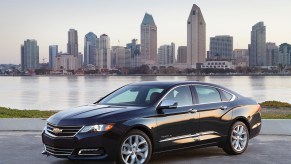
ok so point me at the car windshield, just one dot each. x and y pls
(134, 95)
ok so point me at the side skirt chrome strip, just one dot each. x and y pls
(197, 135)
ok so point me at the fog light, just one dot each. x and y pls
(90, 152)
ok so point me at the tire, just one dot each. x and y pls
(136, 146)
(237, 139)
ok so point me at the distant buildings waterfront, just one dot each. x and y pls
(143, 55)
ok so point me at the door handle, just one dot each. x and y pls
(223, 107)
(193, 111)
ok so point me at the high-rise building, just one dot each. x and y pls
(241, 57)
(72, 46)
(91, 43)
(166, 54)
(182, 54)
(120, 57)
(285, 54)
(257, 48)
(272, 54)
(148, 37)
(221, 47)
(29, 55)
(135, 59)
(80, 60)
(103, 59)
(196, 38)
(53, 52)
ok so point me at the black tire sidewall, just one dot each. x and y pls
(135, 132)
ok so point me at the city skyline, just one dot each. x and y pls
(49, 22)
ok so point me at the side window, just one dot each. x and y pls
(207, 94)
(182, 95)
(226, 96)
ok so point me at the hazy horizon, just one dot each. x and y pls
(49, 21)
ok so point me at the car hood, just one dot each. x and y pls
(89, 114)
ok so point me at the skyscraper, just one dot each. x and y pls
(53, 52)
(72, 46)
(166, 54)
(257, 48)
(135, 58)
(90, 48)
(221, 47)
(241, 57)
(196, 38)
(103, 59)
(272, 54)
(285, 54)
(148, 37)
(29, 55)
(182, 54)
(121, 57)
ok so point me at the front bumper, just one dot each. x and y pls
(104, 145)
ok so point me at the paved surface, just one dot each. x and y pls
(25, 148)
(269, 127)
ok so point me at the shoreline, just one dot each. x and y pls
(101, 75)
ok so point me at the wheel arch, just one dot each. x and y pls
(244, 120)
(144, 129)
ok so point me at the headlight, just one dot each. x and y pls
(97, 128)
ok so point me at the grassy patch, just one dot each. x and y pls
(14, 113)
(275, 104)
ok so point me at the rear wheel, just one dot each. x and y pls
(135, 148)
(237, 140)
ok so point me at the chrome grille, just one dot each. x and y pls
(62, 131)
(58, 151)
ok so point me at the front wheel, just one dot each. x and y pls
(135, 148)
(237, 140)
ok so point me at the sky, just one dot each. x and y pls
(48, 21)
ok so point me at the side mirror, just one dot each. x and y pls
(168, 104)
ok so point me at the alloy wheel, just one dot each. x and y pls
(239, 138)
(134, 149)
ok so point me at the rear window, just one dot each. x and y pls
(207, 94)
(226, 96)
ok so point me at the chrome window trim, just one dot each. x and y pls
(232, 99)
(207, 85)
(170, 91)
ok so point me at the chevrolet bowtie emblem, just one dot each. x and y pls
(57, 130)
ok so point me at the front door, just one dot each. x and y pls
(178, 127)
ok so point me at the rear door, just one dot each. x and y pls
(178, 127)
(213, 109)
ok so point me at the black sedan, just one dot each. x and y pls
(138, 120)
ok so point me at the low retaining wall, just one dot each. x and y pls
(269, 127)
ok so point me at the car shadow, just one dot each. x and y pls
(187, 155)
(66, 161)
(168, 157)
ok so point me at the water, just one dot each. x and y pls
(63, 92)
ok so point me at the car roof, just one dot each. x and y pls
(176, 83)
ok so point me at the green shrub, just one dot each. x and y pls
(275, 104)
(14, 113)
